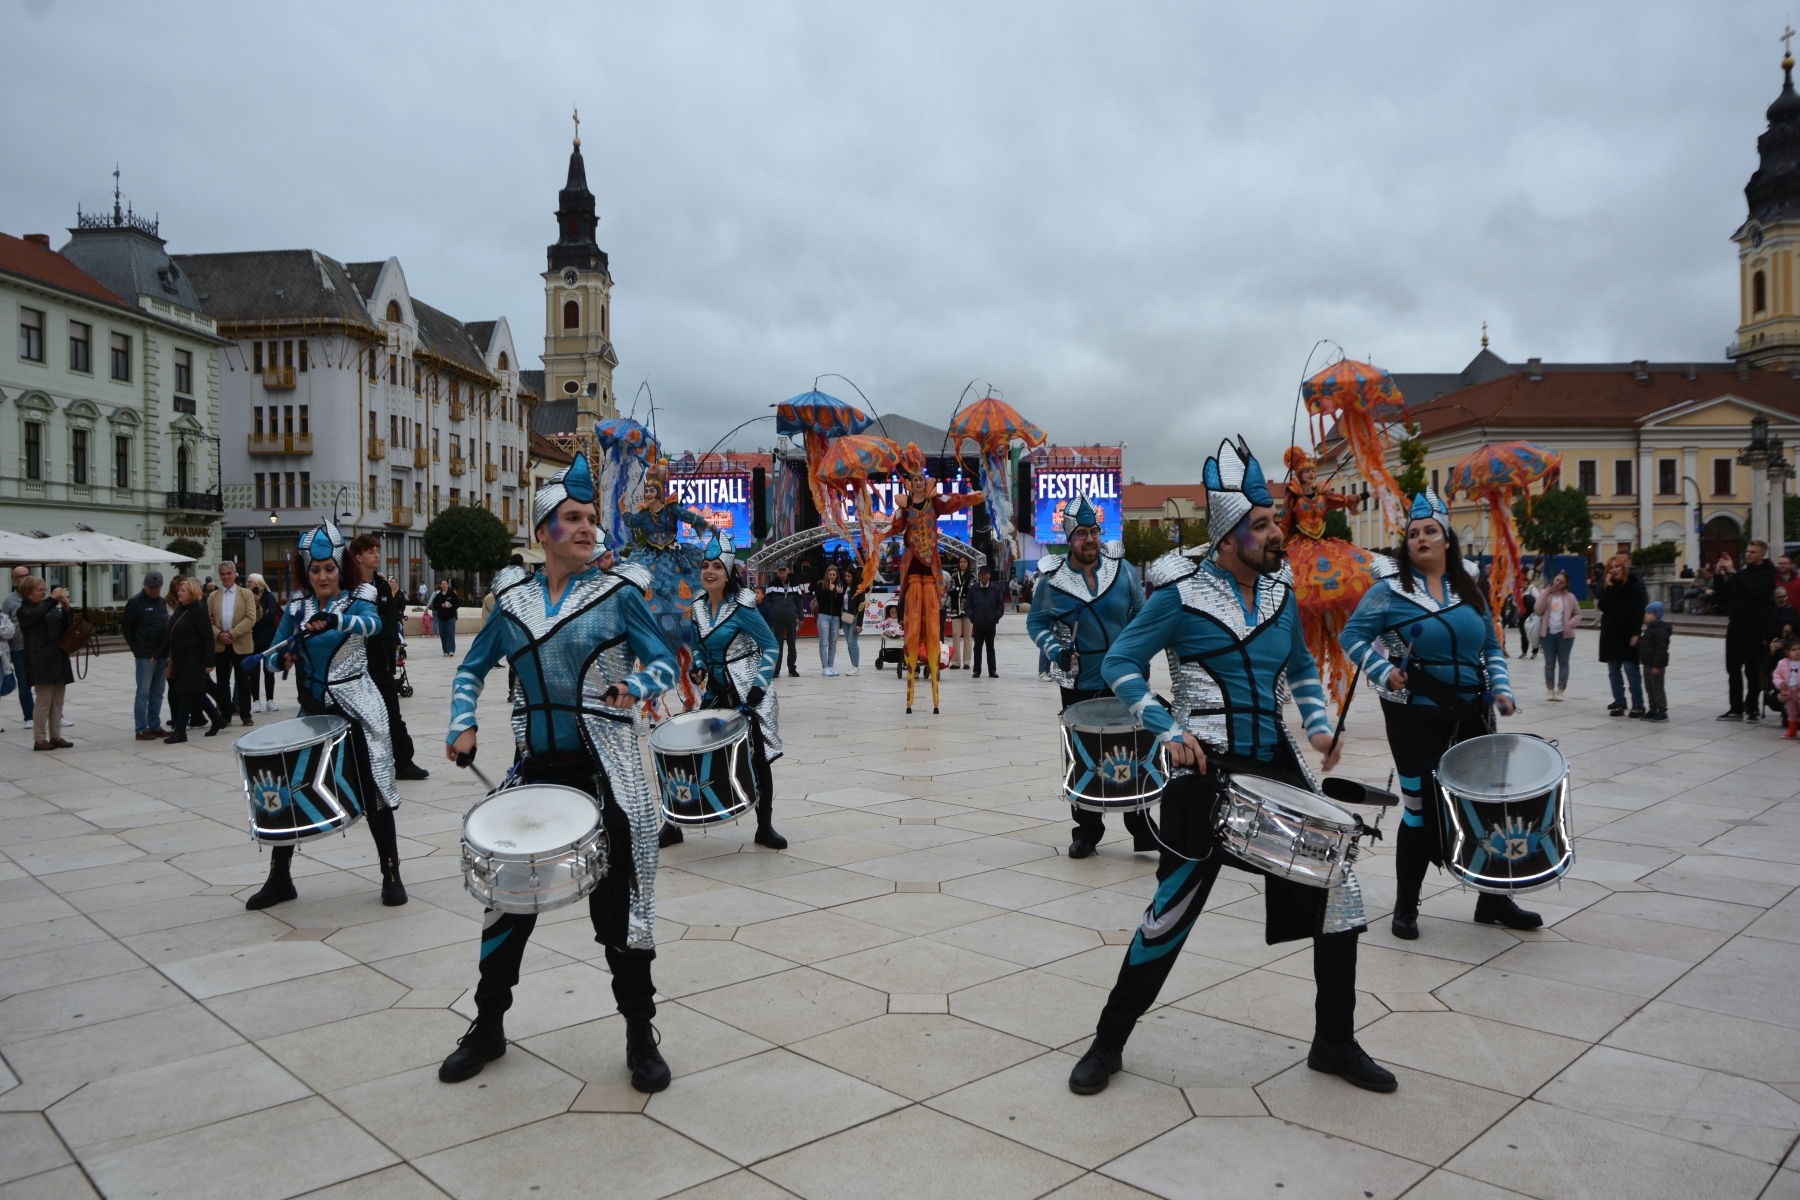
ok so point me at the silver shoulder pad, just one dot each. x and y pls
(365, 591)
(1050, 564)
(508, 577)
(1383, 566)
(747, 597)
(1113, 549)
(634, 573)
(1170, 568)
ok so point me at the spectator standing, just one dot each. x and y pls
(828, 609)
(233, 613)
(1746, 594)
(1621, 602)
(145, 624)
(956, 607)
(986, 605)
(1653, 659)
(262, 636)
(850, 624)
(45, 618)
(1562, 614)
(443, 615)
(192, 658)
(16, 647)
(1788, 579)
(780, 606)
(1786, 679)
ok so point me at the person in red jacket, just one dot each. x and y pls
(921, 571)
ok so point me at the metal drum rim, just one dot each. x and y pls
(333, 726)
(317, 831)
(560, 851)
(1348, 825)
(1493, 797)
(739, 724)
(1127, 724)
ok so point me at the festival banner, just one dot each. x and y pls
(1053, 491)
(724, 500)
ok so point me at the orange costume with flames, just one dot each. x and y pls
(1330, 574)
(921, 592)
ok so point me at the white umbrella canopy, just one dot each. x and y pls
(87, 546)
(17, 548)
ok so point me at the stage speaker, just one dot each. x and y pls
(759, 503)
(1024, 504)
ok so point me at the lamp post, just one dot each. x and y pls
(1172, 510)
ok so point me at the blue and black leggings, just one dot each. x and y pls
(1418, 735)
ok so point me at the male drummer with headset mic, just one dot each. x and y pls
(571, 635)
(1081, 605)
(1231, 625)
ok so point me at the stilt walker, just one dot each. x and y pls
(921, 570)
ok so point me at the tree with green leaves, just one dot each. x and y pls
(467, 538)
(187, 547)
(1337, 525)
(1412, 462)
(1145, 543)
(1558, 521)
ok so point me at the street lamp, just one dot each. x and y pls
(1172, 511)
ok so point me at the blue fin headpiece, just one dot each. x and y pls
(573, 482)
(1081, 514)
(717, 547)
(1427, 504)
(325, 542)
(1234, 485)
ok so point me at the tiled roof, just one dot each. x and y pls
(365, 275)
(1599, 395)
(274, 285)
(131, 263)
(443, 335)
(544, 450)
(31, 261)
(1152, 495)
(481, 333)
(532, 382)
(552, 416)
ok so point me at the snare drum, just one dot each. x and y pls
(1286, 831)
(299, 780)
(703, 766)
(1111, 763)
(1504, 801)
(533, 848)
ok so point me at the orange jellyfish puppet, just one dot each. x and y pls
(1494, 476)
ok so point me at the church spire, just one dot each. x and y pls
(575, 219)
(1774, 190)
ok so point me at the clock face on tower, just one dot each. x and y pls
(1756, 237)
(569, 277)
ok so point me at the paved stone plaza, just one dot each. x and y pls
(891, 1007)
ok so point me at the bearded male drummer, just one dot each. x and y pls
(1231, 627)
(571, 634)
(1081, 605)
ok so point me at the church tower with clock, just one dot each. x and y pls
(578, 351)
(1769, 241)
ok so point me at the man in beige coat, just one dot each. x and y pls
(233, 611)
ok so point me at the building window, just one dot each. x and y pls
(31, 335)
(1434, 483)
(434, 499)
(303, 357)
(393, 368)
(118, 582)
(256, 424)
(374, 500)
(506, 509)
(1722, 476)
(305, 425)
(571, 315)
(419, 498)
(122, 462)
(1759, 292)
(181, 468)
(184, 372)
(121, 358)
(1668, 482)
(81, 347)
(256, 352)
(393, 311)
(455, 497)
(287, 354)
(434, 445)
(78, 455)
(34, 449)
(306, 489)
(503, 365)
(372, 362)
(603, 318)
(290, 490)
(1622, 478)
(262, 495)
(1587, 477)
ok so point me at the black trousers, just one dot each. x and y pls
(1655, 690)
(1183, 885)
(1418, 735)
(226, 674)
(1744, 671)
(504, 935)
(1090, 826)
(786, 631)
(192, 707)
(381, 670)
(984, 637)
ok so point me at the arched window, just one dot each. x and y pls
(503, 364)
(393, 311)
(603, 318)
(1759, 292)
(571, 315)
(181, 468)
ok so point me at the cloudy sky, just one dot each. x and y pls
(1135, 220)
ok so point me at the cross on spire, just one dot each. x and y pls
(1484, 335)
(578, 129)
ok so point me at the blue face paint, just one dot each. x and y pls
(553, 529)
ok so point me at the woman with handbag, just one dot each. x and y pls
(190, 655)
(43, 620)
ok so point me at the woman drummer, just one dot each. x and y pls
(736, 656)
(323, 635)
(1425, 635)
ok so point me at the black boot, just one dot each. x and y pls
(387, 853)
(1350, 1062)
(393, 892)
(766, 836)
(1080, 848)
(1406, 920)
(1410, 860)
(1096, 1069)
(482, 1044)
(1504, 910)
(649, 1073)
(669, 835)
(280, 884)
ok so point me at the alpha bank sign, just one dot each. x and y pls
(1056, 490)
(724, 500)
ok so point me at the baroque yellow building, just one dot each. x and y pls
(578, 351)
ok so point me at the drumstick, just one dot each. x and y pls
(1344, 709)
(467, 759)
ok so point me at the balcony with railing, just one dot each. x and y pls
(459, 409)
(401, 516)
(281, 443)
(278, 379)
(491, 472)
(525, 477)
(458, 464)
(421, 457)
(196, 501)
(377, 447)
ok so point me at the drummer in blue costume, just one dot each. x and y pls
(1425, 636)
(571, 634)
(1081, 605)
(736, 663)
(1231, 628)
(325, 631)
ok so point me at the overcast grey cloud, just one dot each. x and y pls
(1136, 220)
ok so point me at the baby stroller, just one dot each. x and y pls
(893, 640)
(401, 682)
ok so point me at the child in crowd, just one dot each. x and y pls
(1787, 685)
(1653, 658)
